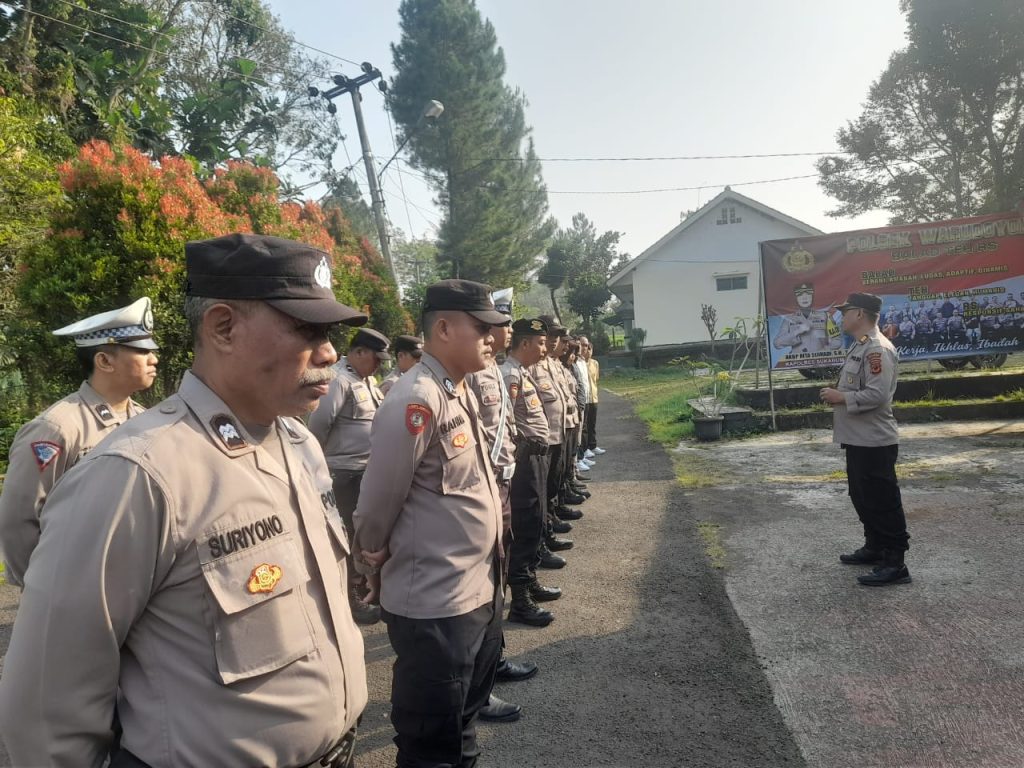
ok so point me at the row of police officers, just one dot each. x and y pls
(188, 583)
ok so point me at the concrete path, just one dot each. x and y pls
(927, 675)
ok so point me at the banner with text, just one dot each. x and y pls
(948, 289)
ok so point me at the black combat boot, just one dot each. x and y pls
(525, 610)
(549, 559)
(555, 544)
(561, 526)
(542, 594)
(891, 571)
(567, 513)
(571, 497)
(863, 556)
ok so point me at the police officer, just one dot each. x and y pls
(430, 513)
(496, 414)
(529, 489)
(407, 351)
(807, 330)
(865, 427)
(118, 355)
(341, 424)
(192, 568)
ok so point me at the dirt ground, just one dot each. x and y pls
(777, 659)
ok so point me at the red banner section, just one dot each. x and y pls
(948, 289)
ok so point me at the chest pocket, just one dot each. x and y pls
(546, 390)
(362, 403)
(490, 394)
(850, 377)
(461, 469)
(260, 623)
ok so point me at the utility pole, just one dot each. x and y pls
(343, 84)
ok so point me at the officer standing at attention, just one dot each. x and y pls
(118, 355)
(866, 428)
(341, 424)
(407, 351)
(430, 513)
(530, 481)
(192, 569)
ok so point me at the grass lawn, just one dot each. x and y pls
(659, 397)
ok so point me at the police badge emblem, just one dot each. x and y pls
(264, 578)
(797, 259)
(322, 273)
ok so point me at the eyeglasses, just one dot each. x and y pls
(803, 293)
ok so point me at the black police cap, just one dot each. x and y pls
(373, 340)
(406, 343)
(463, 296)
(867, 301)
(529, 327)
(555, 328)
(290, 276)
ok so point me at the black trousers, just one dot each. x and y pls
(443, 674)
(556, 471)
(875, 493)
(529, 502)
(590, 427)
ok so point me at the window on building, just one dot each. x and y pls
(728, 216)
(734, 283)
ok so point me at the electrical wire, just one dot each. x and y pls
(398, 167)
(660, 159)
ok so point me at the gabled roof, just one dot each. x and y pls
(711, 205)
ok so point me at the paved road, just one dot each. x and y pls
(927, 675)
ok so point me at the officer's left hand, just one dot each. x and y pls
(832, 396)
(375, 559)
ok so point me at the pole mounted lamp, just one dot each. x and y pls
(431, 111)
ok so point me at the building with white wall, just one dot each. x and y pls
(710, 258)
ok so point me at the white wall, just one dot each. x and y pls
(671, 284)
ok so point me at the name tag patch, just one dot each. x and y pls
(244, 536)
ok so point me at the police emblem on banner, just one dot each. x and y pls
(797, 259)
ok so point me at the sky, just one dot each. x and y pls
(646, 78)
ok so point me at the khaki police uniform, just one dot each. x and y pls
(429, 495)
(390, 379)
(529, 483)
(806, 334)
(552, 397)
(499, 425)
(198, 579)
(865, 426)
(42, 451)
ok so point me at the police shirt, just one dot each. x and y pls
(43, 450)
(806, 333)
(552, 397)
(389, 380)
(490, 392)
(868, 383)
(526, 405)
(341, 422)
(185, 573)
(429, 495)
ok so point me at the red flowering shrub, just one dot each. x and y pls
(121, 235)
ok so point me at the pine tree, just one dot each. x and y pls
(479, 156)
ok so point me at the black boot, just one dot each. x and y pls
(555, 544)
(561, 526)
(512, 672)
(542, 594)
(550, 560)
(571, 497)
(891, 571)
(863, 556)
(498, 711)
(525, 610)
(567, 513)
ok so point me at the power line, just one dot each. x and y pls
(257, 80)
(680, 189)
(398, 165)
(652, 158)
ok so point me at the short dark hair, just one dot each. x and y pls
(428, 320)
(87, 356)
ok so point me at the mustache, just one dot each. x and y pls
(317, 376)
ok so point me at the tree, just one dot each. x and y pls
(581, 260)
(941, 134)
(709, 316)
(479, 157)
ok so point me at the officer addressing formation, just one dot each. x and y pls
(866, 428)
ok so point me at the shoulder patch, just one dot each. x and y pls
(45, 452)
(416, 418)
(875, 361)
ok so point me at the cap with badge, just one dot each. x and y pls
(804, 288)
(405, 343)
(555, 328)
(463, 296)
(130, 326)
(529, 327)
(292, 277)
(503, 301)
(373, 340)
(866, 301)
